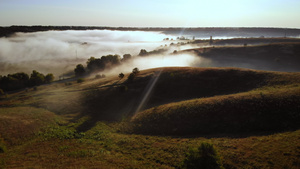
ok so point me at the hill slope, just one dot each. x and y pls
(69, 125)
(236, 100)
(159, 86)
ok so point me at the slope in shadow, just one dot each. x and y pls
(121, 101)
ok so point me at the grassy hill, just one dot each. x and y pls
(257, 111)
(151, 122)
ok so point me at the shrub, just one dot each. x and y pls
(205, 157)
(80, 80)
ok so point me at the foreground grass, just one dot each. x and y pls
(102, 147)
(47, 128)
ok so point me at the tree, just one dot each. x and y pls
(79, 70)
(14, 81)
(49, 78)
(36, 78)
(143, 52)
(121, 75)
(126, 57)
(23, 77)
(131, 77)
(103, 62)
(91, 63)
(136, 70)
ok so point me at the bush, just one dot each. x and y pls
(205, 157)
(80, 80)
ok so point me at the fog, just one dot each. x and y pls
(170, 60)
(59, 52)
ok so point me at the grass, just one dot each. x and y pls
(237, 113)
(59, 126)
(20, 123)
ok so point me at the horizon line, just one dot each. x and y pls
(149, 27)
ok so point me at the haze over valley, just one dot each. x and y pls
(59, 52)
(150, 84)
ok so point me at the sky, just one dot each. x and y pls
(152, 13)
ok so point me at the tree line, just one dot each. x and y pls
(100, 64)
(109, 61)
(22, 80)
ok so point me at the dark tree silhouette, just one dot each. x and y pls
(36, 78)
(136, 70)
(103, 62)
(49, 78)
(126, 57)
(79, 70)
(121, 75)
(131, 77)
(143, 52)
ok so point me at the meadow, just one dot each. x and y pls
(155, 120)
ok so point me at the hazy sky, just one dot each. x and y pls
(157, 13)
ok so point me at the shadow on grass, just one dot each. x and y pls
(120, 101)
(109, 103)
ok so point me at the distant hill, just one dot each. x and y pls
(283, 56)
(200, 31)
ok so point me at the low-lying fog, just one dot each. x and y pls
(59, 52)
